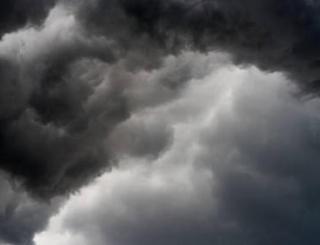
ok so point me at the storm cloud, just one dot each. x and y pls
(20, 215)
(17, 14)
(216, 183)
(86, 86)
(64, 80)
(275, 36)
(45, 118)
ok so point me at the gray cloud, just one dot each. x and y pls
(16, 14)
(276, 36)
(45, 107)
(62, 93)
(264, 154)
(20, 216)
(144, 133)
(83, 82)
(55, 120)
(242, 169)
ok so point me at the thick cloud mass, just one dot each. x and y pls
(54, 116)
(275, 35)
(65, 81)
(208, 89)
(242, 169)
(20, 216)
(16, 14)
(63, 91)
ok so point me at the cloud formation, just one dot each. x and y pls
(21, 216)
(65, 80)
(87, 83)
(17, 14)
(275, 36)
(53, 120)
(216, 183)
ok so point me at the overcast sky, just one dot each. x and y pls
(165, 122)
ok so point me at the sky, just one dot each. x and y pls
(165, 122)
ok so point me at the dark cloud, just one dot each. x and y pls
(17, 14)
(57, 136)
(144, 134)
(276, 36)
(63, 93)
(57, 108)
(77, 78)
(45, 103)
(54, 117)
(20, 216)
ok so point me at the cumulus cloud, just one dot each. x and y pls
(64, 91)
(65, 80)
(172, 84)
(242, 169)
(20, 215)
(47, 109)
(276, 36)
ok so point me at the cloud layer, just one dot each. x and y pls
(216, 183)
(276, 36)
(198, 105)
(65, 80)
